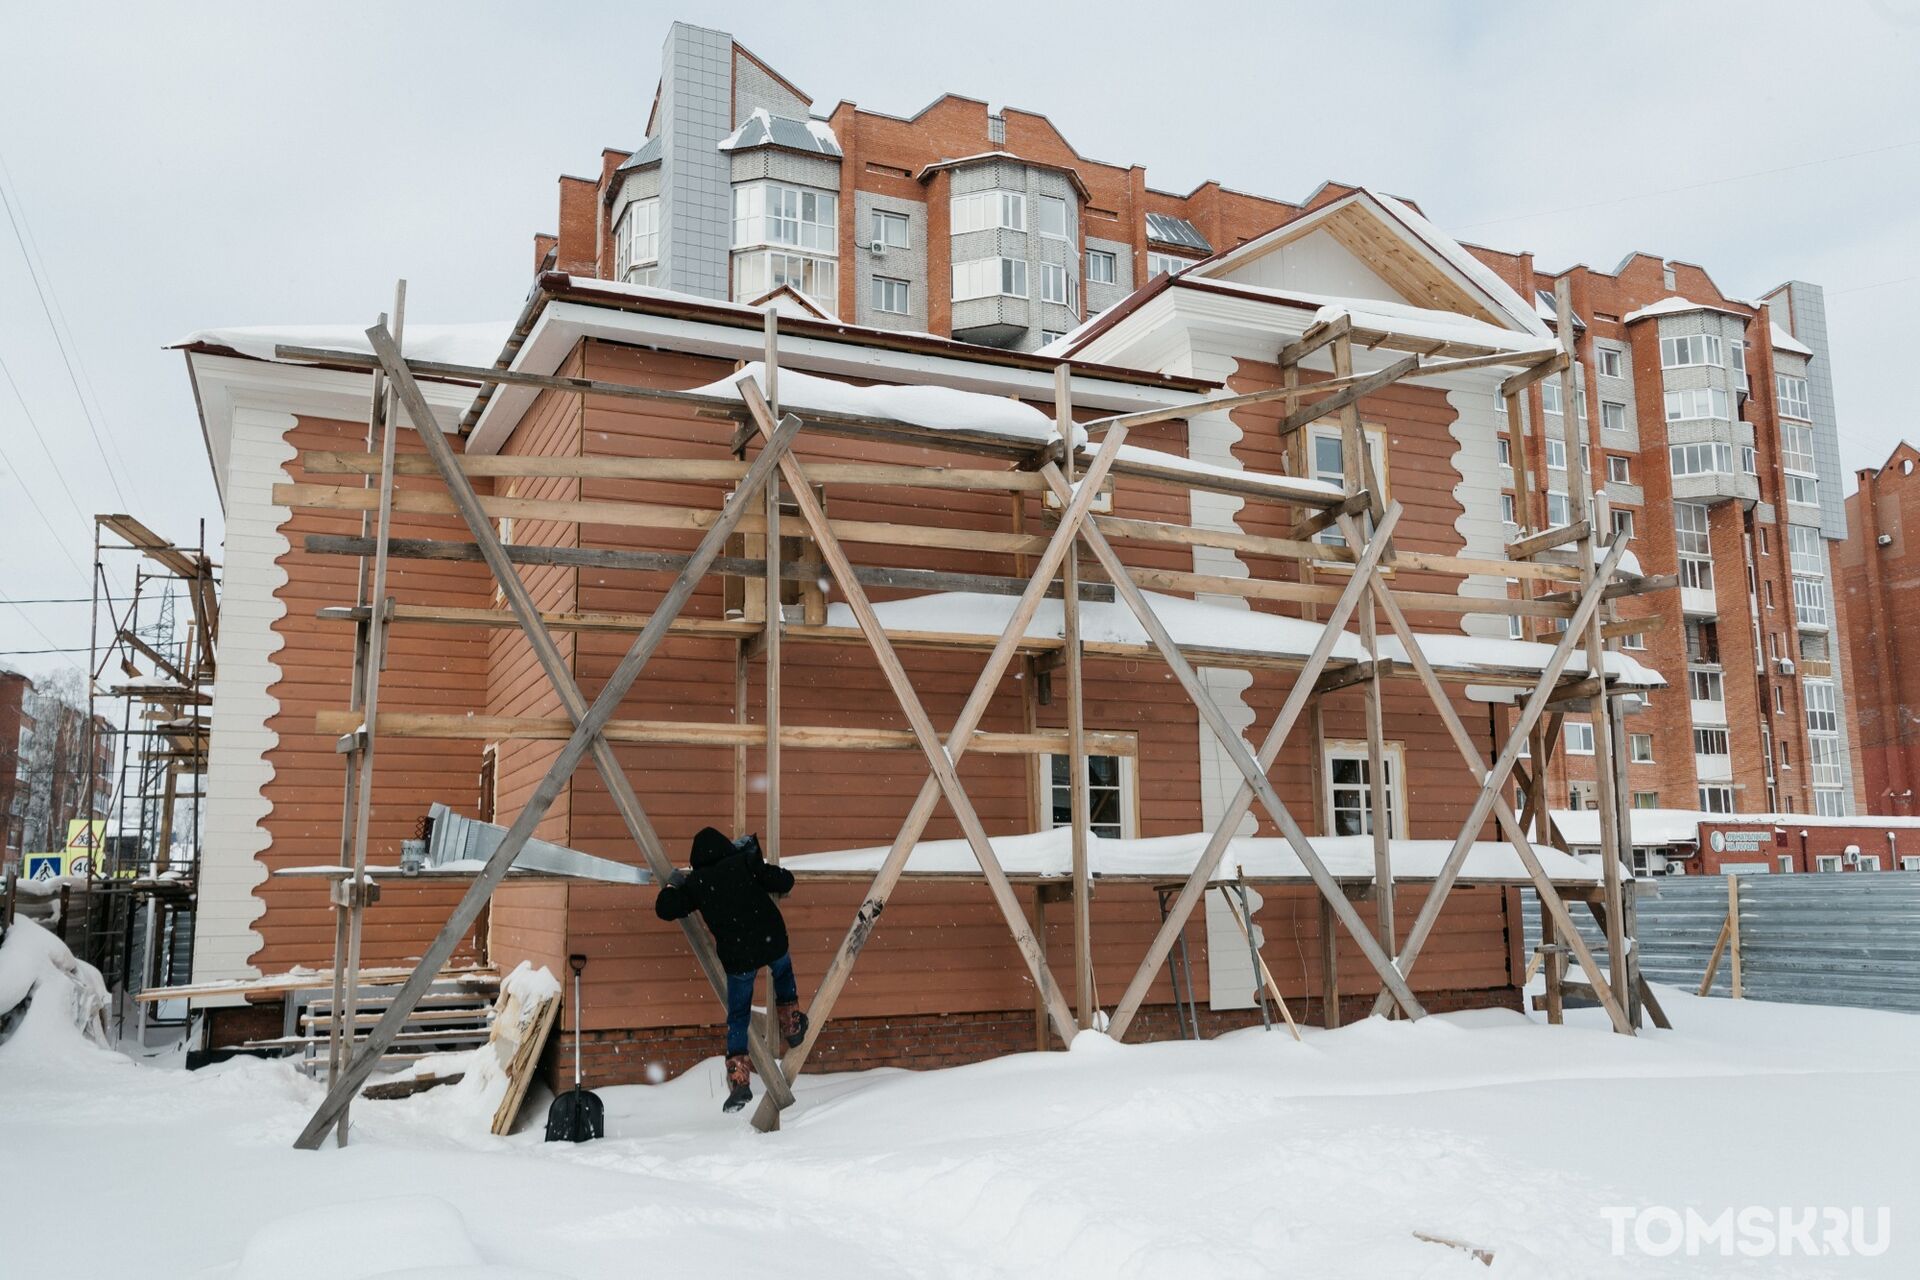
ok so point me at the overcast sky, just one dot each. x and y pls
(181, 167)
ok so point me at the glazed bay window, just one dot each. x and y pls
(1710, 742)
(890, 295)
(1792, 394)
(1706, 686)
(1707, 458)
(1823, 715)
(636, 243)
(990, 277)
(1109, 794)
(1810, 602)
(1057, 285)
(756, 273)
(1829, 803)
(1796, 459)
(1697, 404)
(1101, 267)
(1349, 800)
(1693, 349)
(988, 211)
(1823, 757)
(771, 213)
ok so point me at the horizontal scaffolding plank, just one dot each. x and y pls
(680, 470)
(692, 733)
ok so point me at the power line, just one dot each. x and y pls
(66, 357)
(1691, 186)
(22, 653)
(59, 472)
(41, 512)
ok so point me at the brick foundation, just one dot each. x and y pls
(923, 1041)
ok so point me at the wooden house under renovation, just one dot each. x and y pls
(1058, 667)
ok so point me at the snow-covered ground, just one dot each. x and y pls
(1246, 1156)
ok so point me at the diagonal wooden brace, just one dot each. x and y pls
(941, 758)
(589, 720)
(1494, 779)
(1254, 783)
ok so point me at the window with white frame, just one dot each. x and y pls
(1509, 513)
(1783, 863)
(1823, 759)
(1805, 552)
(1349, 804)
(636, 243)
(1823, 714)
(1810, 601)
(1559, 511)
(1796, 459)
(1706, 686)
(988, 211)
(1690, 529)
(1613, 415)
(1827, 862)
(756, 272)
(1791, 392)
(1326, 456)
(1102, 267)
(889, 229)
(1048, 337)
(772, 213)
(1057, 285)
(1610, 361)
(1640, 748)
(1869, 862)
(1737, 363)
(1550, 399)
(1622, 522)
(1556, 453)
(1516, 627)
(1050, 217)
(1909, 862)
(1619, 471)
(1709, 457)
(1710, 742)
(1579, 738)
(1749, 460)
(1504, 447)
(1110, 794)
(1691, 349)
(1160, 264)
(1698, 403)
(890, 295)
(1716, 799)
(990, 277)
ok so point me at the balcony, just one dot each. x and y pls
(1713, 487)
(1714, 768)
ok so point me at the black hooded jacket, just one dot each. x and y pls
(730, 886)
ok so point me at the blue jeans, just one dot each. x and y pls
(740, 999)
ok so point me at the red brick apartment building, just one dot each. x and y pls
(1880, 566)
(979, 251)
(16, 729)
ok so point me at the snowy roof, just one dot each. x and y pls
(470, 344)
(1224, 628)
(1393, 317)
(1167, 229)
(1050, 854)
(1547, 307)
(649, 153)
(1784, 341)
(1282, 486)
(764, 129)
(1484, 278)
(937, 408)
(1673, 306)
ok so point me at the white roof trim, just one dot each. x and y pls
(563, 324)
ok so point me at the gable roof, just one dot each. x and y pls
(1421, 262)
(764, 129)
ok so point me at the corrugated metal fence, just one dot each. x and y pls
(1845, 939)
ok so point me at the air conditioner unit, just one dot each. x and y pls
(1853, 858)
(1786, 666)
(878, 247)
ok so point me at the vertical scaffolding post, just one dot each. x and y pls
(776, 617)
(1357, 475)
(1076, 720)
(1583, 507)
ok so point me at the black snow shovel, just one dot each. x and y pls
(576, 1115)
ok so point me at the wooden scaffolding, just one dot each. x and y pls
(1569, 573)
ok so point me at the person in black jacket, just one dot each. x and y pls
(732, 885)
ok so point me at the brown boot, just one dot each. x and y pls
(793, 1024)
(739, 1082)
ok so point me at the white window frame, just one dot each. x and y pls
(1376, 438)
(1827, 862)
(1613, 415)
(759, 271)
(1699, 404)
(637, 242)
(1710, 740)
(1791, 394)
(1635, 741)
(1043, 207)
(991, 210)
(783, 215)
(1111, 267)
(1611, 361)
(1167, 263)
(1393, 756)
(1127, 791)
(1579, 738)
(1559, 510)
(1702, 458)
(1058, 286)
(989, 278)
(885, 223)
(1823, 706)
(1619, 469)
(1690, 350)
(1796, 459)
(1783, 863)
(886, 288)
(1716, 798)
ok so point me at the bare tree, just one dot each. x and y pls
(62, 783)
